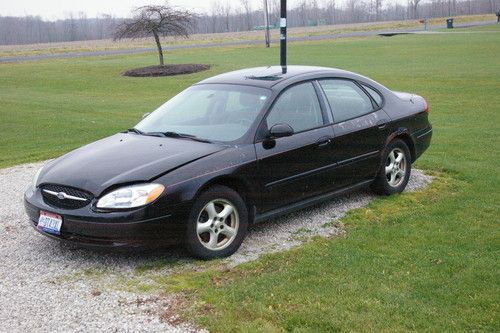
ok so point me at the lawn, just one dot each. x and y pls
(426, 261)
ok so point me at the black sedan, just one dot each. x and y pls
(232, 150)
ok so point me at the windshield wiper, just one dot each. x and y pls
(170, 134)
(134, 130)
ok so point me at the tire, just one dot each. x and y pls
(393, 176)
(217, 223)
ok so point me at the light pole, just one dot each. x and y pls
(283, 25)
(266, 22)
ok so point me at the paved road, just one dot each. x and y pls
(233, 43)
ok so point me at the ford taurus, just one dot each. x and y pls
(232, 150)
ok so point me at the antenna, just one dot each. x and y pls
(283, 24)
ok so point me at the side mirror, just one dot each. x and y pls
(146, 114)
(280, 131)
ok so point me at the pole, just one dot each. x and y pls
(266, 22)
(283, 25)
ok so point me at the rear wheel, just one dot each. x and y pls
(217, 223)
(395, 172)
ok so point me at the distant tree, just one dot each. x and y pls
(302, 11)
(492, 6)
(378, 9)
(275, 11)
(216, 14)
(352, 7)
(413, 6)
(156, 21)
(247, 7)
(331, 9)
(226, 9)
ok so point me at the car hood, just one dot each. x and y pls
(123, 158)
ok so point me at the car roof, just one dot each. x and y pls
(267, 77)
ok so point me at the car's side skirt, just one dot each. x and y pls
(309, 202)
(326, 167)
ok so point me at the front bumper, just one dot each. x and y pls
(143, 227)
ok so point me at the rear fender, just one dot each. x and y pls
(403, 134)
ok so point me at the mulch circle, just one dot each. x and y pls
(166, 70)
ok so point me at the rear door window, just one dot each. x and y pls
(347, 100)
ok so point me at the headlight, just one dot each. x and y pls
(131, 196)
(37, 175)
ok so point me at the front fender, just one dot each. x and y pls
(235, 164)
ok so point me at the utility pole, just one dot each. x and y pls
(283, 25)
(266, 22)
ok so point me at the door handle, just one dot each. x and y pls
(323, 142)
(382, 124)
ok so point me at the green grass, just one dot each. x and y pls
(426, 261)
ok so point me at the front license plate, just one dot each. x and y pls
(50, 223)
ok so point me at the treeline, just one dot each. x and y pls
(240, 16)
(228, 16)
(32, 29)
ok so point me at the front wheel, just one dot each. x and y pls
(394, 174)
(217, 223)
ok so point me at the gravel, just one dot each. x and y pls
(46, 286)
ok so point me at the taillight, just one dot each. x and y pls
(426, 107)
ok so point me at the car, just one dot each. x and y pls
(230, 151)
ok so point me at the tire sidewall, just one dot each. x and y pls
(192, 241)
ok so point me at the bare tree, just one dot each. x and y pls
(331, 11)
(247, 6)
(378, 8)
(157, 21)
(275, 7)
(492, 5)
(71, 28)
(315, 11)
(217, 13)
(413, 6)
(302, 10)
(352, 6)
(227, 15)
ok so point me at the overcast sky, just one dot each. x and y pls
(54, 9)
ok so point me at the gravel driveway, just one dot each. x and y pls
(49, 287)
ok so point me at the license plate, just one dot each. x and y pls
(50, 223)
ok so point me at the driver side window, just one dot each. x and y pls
(298, 107)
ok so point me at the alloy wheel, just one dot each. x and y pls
(395, 167)
(217, 224)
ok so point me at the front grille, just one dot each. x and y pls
(65, 203)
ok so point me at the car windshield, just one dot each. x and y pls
(215, 112)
